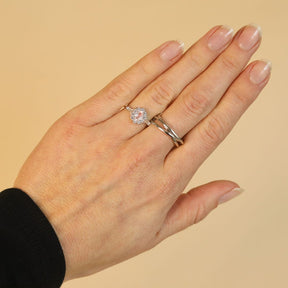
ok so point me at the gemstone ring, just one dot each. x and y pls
(138, 115)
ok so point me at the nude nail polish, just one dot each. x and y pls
(249, 37)
(260, 72)
(172, 50)
(230, 195)
(220, 38)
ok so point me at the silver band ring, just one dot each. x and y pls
(138, 115)
(167, 130)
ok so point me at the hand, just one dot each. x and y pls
(113, 189)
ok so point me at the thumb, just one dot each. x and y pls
(193, 206)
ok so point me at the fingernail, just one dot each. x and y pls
(260, 72)
(249, 37)
(230, 195)
(220, 38)
(172, 49)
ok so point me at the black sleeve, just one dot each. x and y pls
(30, 252)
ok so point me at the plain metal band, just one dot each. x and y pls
(168, 130)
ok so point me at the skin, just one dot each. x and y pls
(113, 189)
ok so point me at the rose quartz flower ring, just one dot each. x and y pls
(138, 115)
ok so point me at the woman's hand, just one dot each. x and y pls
(113, 189)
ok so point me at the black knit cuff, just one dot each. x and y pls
(38, 246)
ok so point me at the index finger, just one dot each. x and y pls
(127, 85)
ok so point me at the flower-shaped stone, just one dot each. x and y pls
(139, 115)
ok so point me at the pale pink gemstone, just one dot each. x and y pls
(138, 115)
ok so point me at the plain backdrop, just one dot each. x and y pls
(55, 54)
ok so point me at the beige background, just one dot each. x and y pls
(55, 54)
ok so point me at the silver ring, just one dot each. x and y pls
(167, 130)
(138, 115)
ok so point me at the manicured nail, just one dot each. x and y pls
(249, 37)
(171, 50)
(260, 72)
(220, 38)
(230, 194)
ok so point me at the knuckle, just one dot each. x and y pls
(73, 117)
(67, 124)
(230, 63)
(120, 89)
(169, 183)
(213, 130)
(195, 62)
(137, 159)
(69, 130)
(201, 213)
(145, 67)
(162, 93)
(243, 98)
(195, 103)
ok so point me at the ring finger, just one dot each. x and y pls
(201, 97)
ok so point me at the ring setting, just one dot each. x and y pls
(138, 115)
